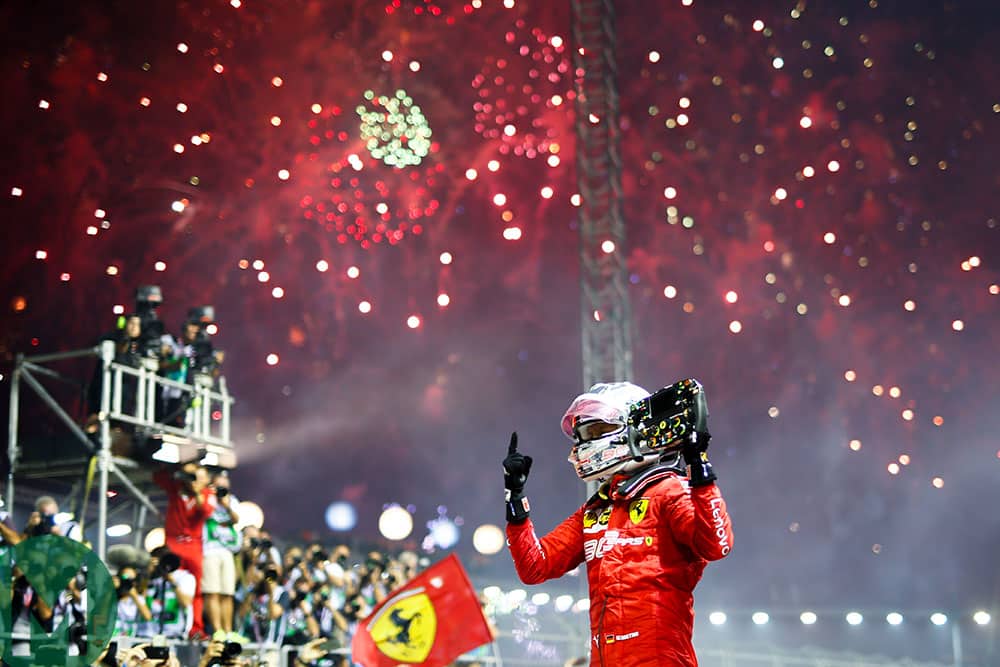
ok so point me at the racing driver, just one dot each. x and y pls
(646, 535)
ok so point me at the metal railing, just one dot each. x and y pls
(206, 427)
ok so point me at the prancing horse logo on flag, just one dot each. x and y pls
(405, 628)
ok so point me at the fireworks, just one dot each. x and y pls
(396, 131)
(809, 221)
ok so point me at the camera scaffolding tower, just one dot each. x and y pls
(606, 314)
(205, 434)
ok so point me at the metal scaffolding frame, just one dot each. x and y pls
(606, 314)
(209, 437)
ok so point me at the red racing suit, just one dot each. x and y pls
(646, 540)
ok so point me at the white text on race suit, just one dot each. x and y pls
(597, 548)
(720, 525)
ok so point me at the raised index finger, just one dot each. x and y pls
(512, 449)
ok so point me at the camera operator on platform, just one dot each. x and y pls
(132, 346)
(190, 502)
(649, 531)
(177, 359)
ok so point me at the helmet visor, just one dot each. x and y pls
(585, 431)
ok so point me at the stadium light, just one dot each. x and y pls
(937, 618)
(154, 538)
(807, 618)
(517, 596)
(854, 618)
(981, 617)
(564, 602)
(581, 605)
(760, 618)
(341, 516)
(488, 539)
(395, 523)
(539, 599)
(119, 530)
(717, 618)
(492, 592)
(250, 515)
(894, 618)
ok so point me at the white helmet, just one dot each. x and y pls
(597, 423)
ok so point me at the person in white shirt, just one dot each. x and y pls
(221, 544)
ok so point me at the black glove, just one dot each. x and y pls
(700, 471)
(516, 467)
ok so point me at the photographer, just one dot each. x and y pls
(301, 625)
(169, 597)
(133, 346)
(294, 566)
(140, 655)
(330, 604)
(317, 654)
(190, 502)
(373, 584)
(355, 608)
(265, 605)
(27, 608)
(71, 608)
(177, 361)
(258, 549)
(45, 520)
(224, 653)
(222, 542)
(132, 607)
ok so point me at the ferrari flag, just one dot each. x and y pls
(430, 621)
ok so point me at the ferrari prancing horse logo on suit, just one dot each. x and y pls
(637, 510)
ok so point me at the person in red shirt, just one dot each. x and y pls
(645, 536)
(190, 501)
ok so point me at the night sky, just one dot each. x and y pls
(812, 220)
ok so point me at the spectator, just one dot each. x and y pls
(132, 607)
(222, 542)
(190, 502)
(170, 596)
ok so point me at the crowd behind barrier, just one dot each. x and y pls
(211, 579)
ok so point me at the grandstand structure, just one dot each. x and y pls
(121, 441)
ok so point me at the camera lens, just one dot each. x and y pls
(231, 650)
